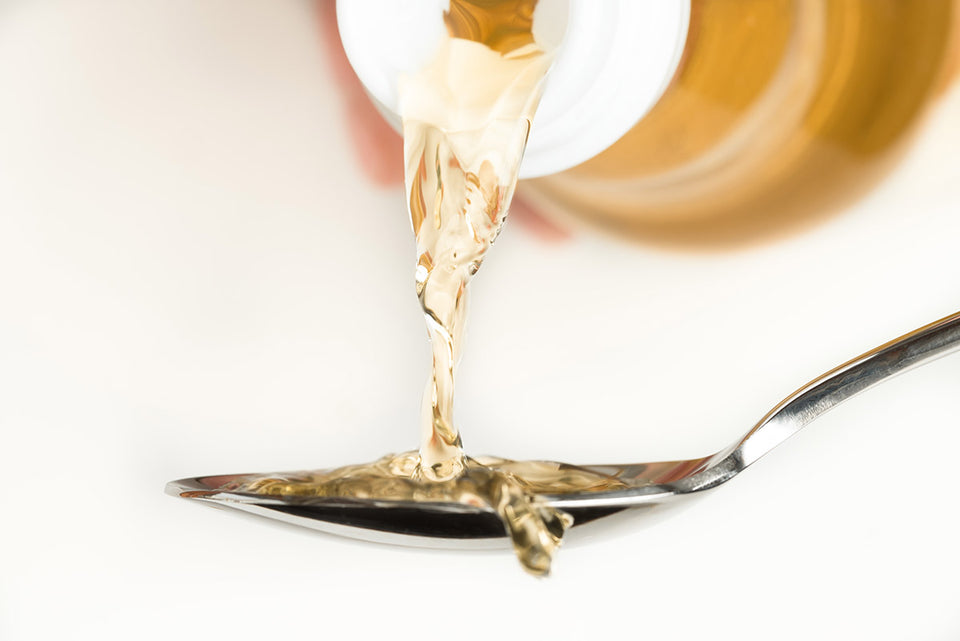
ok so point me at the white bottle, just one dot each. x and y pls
(586, 106)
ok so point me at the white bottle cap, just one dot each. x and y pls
(613, 62)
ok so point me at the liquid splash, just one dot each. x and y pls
(512, 489)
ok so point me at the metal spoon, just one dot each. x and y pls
(452, 525)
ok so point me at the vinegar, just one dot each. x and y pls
(466, 118)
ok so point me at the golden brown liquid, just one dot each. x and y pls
(465, 123)
(466, 118)
(779, 109)
(781, 112)
(510, 488)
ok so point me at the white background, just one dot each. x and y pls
(196, 279)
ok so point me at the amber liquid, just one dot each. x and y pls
(779, 109)
(510, 488)
(466, 118)
(780, 113)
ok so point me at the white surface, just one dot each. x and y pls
(193, 276)
(586, 105)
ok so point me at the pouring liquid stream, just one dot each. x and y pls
(466, 118)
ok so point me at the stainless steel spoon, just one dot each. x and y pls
(451, 525)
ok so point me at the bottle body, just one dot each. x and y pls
(780, 112)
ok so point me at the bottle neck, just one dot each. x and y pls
(613, 61)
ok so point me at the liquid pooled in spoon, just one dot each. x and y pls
(466, 118)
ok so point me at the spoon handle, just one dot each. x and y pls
(825, 392)
(822, 394)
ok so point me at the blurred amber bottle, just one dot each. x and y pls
(780, 112)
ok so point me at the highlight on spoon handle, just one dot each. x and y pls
(822, 394)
